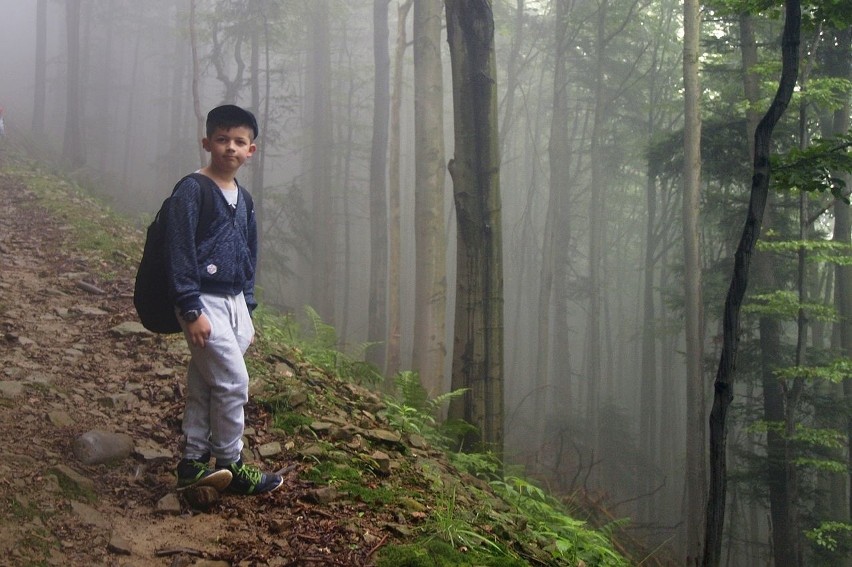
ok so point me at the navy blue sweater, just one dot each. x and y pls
(223, 261)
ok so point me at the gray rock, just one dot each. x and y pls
(60, 418)
(10, 389)
(129, 328)
(119, 545)
(97, 447)
(269, 449)
(169, 504)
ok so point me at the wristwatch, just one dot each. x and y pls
(191, 316)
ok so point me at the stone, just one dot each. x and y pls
(383, 436)
(10, 389)
(169, 504)
(78, 482)
(119, 545)
(202, 497)
(382, 460)
(60, 418)
(129, 328)
(269, 449)
(97, 447)
(89, 515)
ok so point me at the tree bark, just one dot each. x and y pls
(475, 170)
(377, 308)
(430, 293)
(40, 89)
(319, 150)
(196, 79)
(723, 386)
(72, 147)
(696, 469)
(394, 317)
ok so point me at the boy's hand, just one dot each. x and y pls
(199, 331)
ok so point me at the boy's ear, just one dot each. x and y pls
(252, 149)
(205, 143)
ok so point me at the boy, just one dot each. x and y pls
(211, 283)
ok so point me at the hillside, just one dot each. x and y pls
(358, 483)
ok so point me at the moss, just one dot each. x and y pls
(435, 553)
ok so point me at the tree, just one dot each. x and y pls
(377, 316)
(72, 146)
(723, 385)
(430, 288)
(696, 469)
(40, 67)
(475, 171)
(318, 152)
(394, 256)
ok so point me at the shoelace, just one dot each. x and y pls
(252, 474)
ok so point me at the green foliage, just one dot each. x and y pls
(568, 538)
(828, 534)
(815, 169)
(452, 526)
(786, 304)
(835, 372)
(410, 409)
(830, 251)
(437, 553)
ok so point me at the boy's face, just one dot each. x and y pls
(229, 148)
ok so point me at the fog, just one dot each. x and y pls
(139, 135)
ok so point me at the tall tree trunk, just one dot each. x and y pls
(394, 316)
(72, 146)
(723, 386)
(751, 89)
(556, 222)
(196, 79)
(475, 170)
(40, 88)
(837, 65)
(696, 469)
(597, 234)
(318, 102)
(512, 73)
(430, 293)
(377, 309)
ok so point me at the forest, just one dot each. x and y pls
(614, 234)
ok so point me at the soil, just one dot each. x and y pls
(66, 370)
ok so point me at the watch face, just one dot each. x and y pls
(190, 316)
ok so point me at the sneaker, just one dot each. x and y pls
(248, 479)
(192, 473)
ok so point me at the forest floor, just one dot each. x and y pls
(68, 368)
(360, 488)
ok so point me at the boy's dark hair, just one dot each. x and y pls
(230, 116)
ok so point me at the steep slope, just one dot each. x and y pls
(74, 361)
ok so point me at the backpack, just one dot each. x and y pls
(151, 292)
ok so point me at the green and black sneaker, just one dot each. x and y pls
(249, 480)
(192, 473)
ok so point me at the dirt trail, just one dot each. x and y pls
(66, 370)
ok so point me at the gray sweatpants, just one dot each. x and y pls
(217, 381)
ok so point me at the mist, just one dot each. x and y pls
(591, 161)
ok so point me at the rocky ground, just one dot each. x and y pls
(74, 362)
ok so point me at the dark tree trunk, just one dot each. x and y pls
(475, 170)
(723, 386)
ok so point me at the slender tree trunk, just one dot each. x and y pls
(837, 65)
(377, 309)
(475, 170)
(751, 89)
(556, 221)
(318, 102)
(40, 89)
(512, 73)
(696, 469)
(723, 385)
(394, 316)
(196, 79)
(72, 147)
(430, 294)
(597, 234)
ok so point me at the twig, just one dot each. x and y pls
(90, 288)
